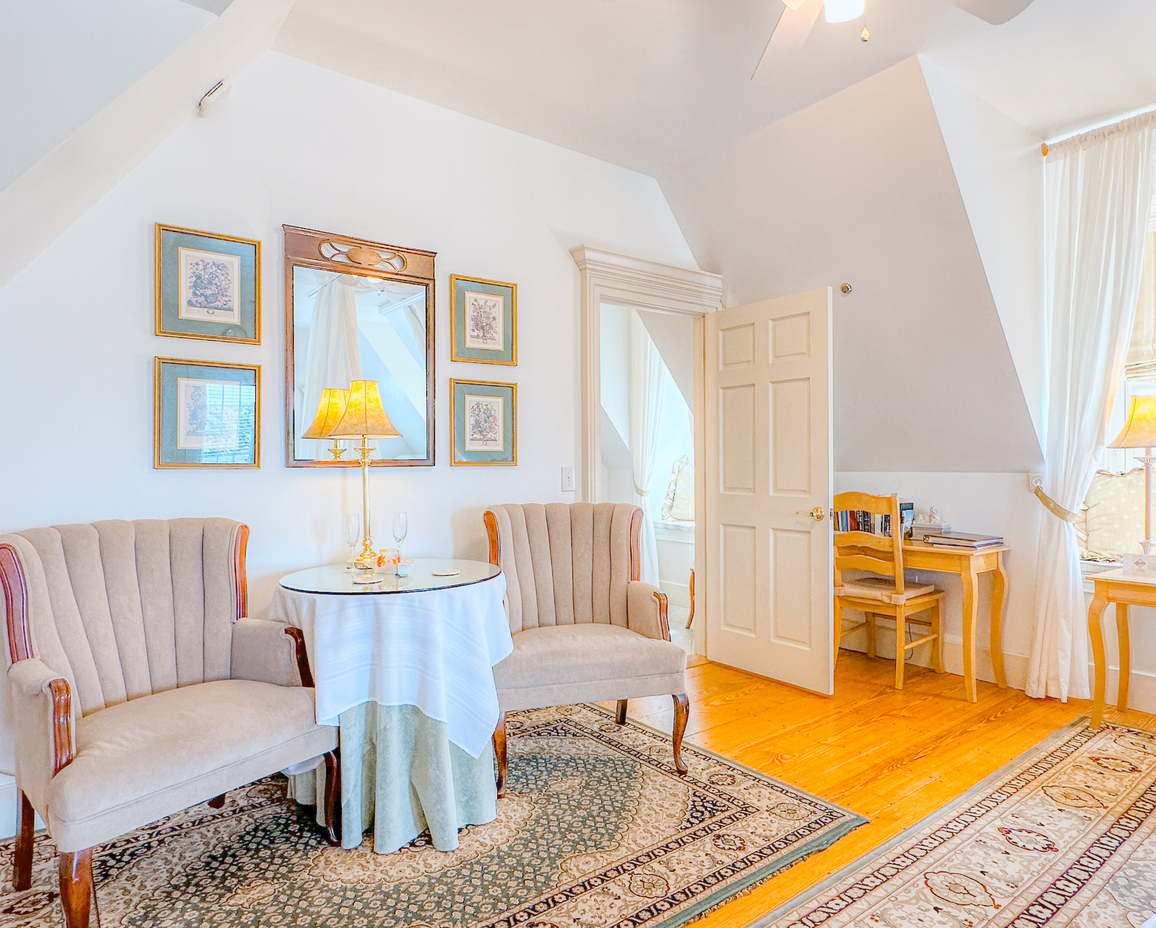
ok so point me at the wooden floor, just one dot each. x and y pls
(891, 756)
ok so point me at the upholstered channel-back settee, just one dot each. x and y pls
(138, 685)
(585, 628)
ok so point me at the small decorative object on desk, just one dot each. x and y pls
(445, 573)
(962, 540)
(1140, 565)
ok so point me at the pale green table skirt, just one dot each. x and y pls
(400, 774)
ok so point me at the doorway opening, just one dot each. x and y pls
(642, 422)
(647, 443)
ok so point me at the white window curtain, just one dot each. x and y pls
(1098, 196)
(645, 413)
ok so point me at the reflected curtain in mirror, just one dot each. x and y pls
(358, 310)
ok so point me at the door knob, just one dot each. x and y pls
(816, 514)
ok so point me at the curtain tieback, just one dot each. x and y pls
(1055, 508)
(640, 491)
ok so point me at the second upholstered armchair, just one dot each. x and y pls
(585, 628)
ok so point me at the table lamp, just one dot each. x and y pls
(363, 417)
(329, 412)
(1140, 432)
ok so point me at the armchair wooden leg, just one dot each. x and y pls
(681, 714)
(22, 852)
(500, 753)
(620, 715)
(332, 798)
(217, 802)
(76, 887)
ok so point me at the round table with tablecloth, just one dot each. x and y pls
(404, 667)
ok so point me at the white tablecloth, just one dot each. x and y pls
(432, 649)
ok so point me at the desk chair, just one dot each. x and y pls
(889, 595)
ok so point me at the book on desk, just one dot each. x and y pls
(963, 540)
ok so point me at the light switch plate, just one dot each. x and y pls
(567, 479)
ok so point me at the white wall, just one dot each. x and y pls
(999, 169)
(297, 144)
(860, 188)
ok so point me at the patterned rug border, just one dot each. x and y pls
(764, 921)
(748, 882)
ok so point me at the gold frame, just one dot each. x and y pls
(302, 247)
(454, 278)
(157, 463)
(454, 420)
(159, 229)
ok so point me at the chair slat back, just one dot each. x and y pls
(870, 551)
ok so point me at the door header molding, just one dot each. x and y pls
(646, 284)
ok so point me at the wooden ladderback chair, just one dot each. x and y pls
(884, 592)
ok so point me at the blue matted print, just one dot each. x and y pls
(207, 414)
(483, 320)
(484, 427)
(207, 286)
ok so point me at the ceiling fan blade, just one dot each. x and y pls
(791, 31)
(996, 12)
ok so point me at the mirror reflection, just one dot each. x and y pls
(350, 327)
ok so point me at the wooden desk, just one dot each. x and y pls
(1113, 587)
(968, 565)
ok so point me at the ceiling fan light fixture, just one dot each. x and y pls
(842, 11)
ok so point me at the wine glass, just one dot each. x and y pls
(400, 529)
(352, 537)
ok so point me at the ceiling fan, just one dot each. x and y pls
(799, 17)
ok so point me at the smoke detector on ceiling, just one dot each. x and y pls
(214, 98)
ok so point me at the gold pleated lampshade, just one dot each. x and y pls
(1140, 428)
(363, 414)
(329, 412)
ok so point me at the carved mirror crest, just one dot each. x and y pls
(358, 310)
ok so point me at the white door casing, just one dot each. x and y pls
(768, 467)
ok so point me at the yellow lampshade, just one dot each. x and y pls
(1140, 427)
(363, 414)
(329, 413)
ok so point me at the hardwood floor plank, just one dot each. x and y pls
(893, 756)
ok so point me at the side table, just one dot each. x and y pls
(1113, 587)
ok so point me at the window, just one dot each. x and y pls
(1112, 522)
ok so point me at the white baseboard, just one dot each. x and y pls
(1141, 686)
(8, 808)
(677, 593)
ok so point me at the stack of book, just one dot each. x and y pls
(859, 520)
(963, 540)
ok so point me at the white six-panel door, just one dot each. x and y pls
(768, 488)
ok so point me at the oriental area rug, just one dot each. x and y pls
(1061, 837)
(596, 829)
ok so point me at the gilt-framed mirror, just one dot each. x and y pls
(358, 310)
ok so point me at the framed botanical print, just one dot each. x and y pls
(484, 426)
(484, 320)
(207, 286)
(206, 414)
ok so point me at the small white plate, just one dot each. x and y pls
(444, 573)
